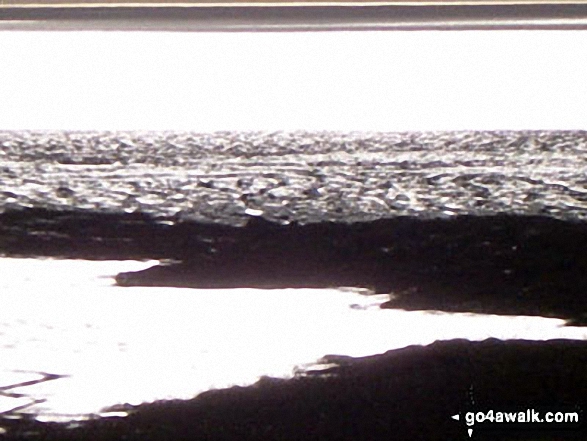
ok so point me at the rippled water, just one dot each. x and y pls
(300, 175)
(95, 344)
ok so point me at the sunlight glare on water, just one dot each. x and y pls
(112, 345)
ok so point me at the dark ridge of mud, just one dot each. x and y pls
(495, 264)
(407, 394)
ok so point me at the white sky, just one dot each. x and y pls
(285, 81)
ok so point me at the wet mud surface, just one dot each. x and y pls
(406, 394)
(498, 264)
(488, 222)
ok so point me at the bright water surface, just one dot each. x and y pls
(114, 345)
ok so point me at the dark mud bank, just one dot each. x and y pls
(461, 221)
(406, 394)
(494, 264)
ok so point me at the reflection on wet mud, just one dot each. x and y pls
(108, 344)
(21, 401)
(502, 264)
(499, 264)
(407, 394)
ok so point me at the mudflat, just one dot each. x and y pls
(406, 394)
(488, 222)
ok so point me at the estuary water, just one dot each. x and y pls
(73, 344)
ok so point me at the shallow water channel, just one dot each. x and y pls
(72, 343)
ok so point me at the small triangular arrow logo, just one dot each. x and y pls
(470, 432)
(456, 417)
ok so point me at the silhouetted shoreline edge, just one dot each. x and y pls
(405, 394)
(501, 264)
